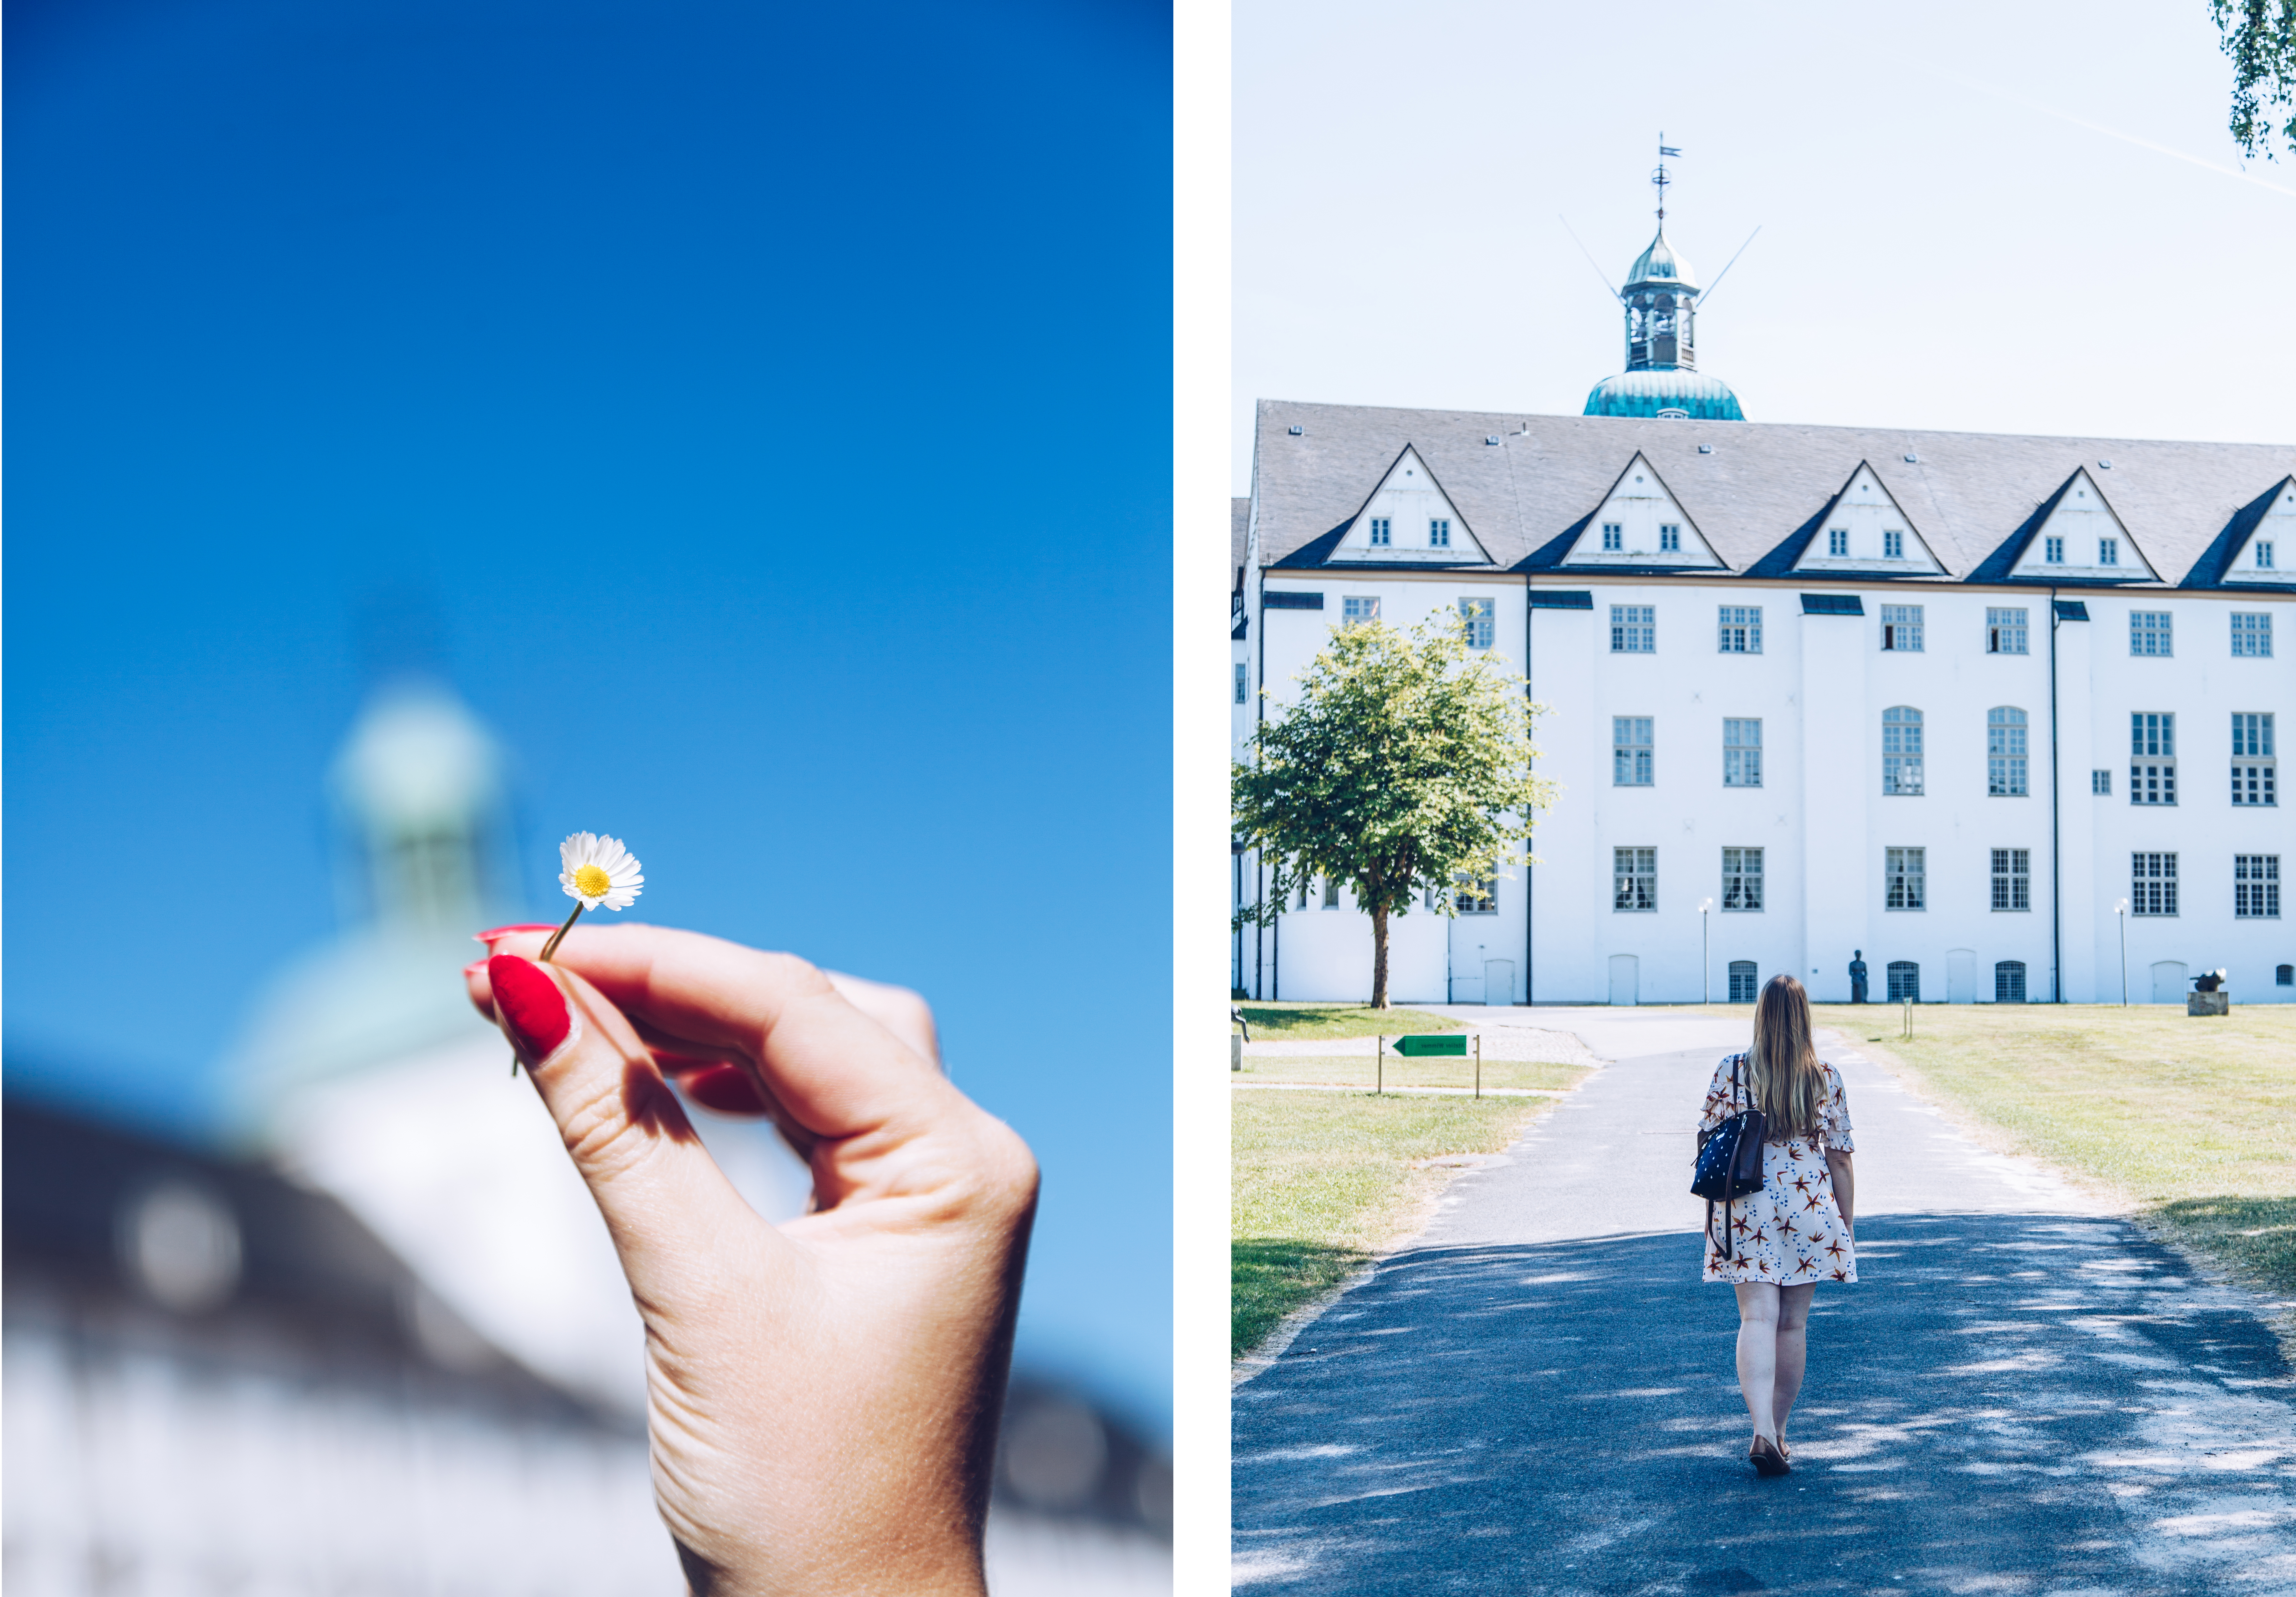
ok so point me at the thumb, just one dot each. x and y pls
(659, 1190)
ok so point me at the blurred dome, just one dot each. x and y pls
(416, 760)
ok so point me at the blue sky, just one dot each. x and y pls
(1975, 216)
(772, 405)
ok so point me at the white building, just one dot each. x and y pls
(1950, 700)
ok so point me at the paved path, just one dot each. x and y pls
(2021, 1395)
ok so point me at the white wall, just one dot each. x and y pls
(1820, 687)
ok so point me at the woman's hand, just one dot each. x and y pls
(822, 1396)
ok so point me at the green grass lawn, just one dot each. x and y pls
(1302, 1022)
(1358, 1071)
(2194, 1120)
(1323, 1180)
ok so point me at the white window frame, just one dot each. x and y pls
(2001, 967)
(1670, 538)
(1634, 629)
(2256, 887)
(1901, 629)
(2263, 547)
(1837, 543)
(1481, 619)
(2152, 883)
(2152, 635)
(1905, 879)
(1738, 629)
(1634, 882)
(2006, 752)
(2053, 550)
(2013, 881)
(2100, 783)
(1614, 537)
(1331, 892)
(1438, 532)
(2251, 635)
(1353, 610)
(2108, 551)
(1382, 532)
(2153, 759)
(1634, 751)
(1474, 896)
(1901, 751)
(2255, 772)
(1893, 546)
(2005, 631)
(1243, 683)
(1742, 752)
(1742, 882)
(1753, 977)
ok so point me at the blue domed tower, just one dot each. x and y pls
(1661, 378)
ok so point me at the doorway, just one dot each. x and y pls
(1626, 975)
(2168, 982)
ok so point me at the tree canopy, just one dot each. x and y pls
(1403, 769)
(2259, 35)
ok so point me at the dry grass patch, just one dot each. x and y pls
(1361, 1070)
(1324, 1181)
(1302, 1022)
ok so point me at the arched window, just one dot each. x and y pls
(1901, 750)
(2009, 981)
(1741, 982)
(1904, 980)
(2004, 752)
(2285, 975)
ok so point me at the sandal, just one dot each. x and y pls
(1766, 1460)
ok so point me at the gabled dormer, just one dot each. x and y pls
(1864, 530)
(2267, 554)
(1409, 520)
(2075, 536)
(1641, 526)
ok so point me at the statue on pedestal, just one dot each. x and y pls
(1857, 976)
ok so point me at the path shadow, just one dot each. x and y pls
(2025, 1402)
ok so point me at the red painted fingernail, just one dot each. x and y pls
(532, 1010)
(491, 938)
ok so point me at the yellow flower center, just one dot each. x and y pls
(591, 883)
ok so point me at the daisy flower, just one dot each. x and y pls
(595, 870)
(599, 871)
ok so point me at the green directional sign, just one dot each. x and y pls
(1452, 1043)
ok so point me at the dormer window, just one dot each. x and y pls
(1614, 537)
(2108, 551)
(1382, 532)
(1669, 540)
(2263, 554)
(1893, 546)
(1438, 533)
(2053, 550)
(1837, 542)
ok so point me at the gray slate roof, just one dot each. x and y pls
(1968, 494)
(1239, 537)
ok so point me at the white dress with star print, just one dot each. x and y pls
(1790, 1232)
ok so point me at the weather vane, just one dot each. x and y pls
(1659, 178)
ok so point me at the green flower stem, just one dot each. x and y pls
(559, 936)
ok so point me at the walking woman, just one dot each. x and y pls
(1776, 1244)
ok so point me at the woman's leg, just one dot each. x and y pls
(1757, 1352)
(1793, 1349)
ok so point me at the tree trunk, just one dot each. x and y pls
(1378, 959)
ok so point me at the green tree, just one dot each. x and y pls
(2259, 35)
(1404, 766)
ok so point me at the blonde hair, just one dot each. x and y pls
(1788, 1082)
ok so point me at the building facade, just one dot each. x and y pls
(1985, 710)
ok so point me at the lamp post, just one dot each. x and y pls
(2121, 909)
(1705, 961)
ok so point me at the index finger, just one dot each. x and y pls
(836, 1070)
